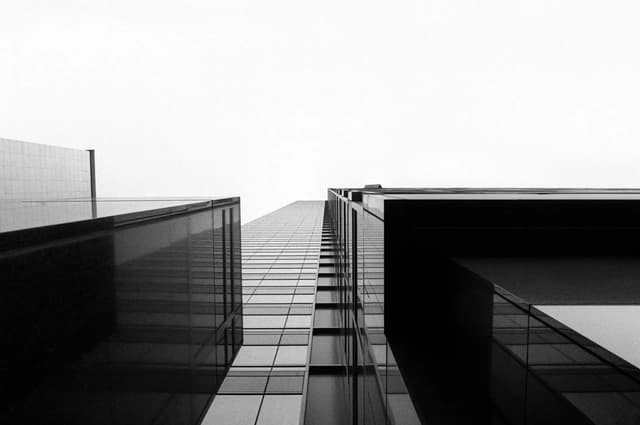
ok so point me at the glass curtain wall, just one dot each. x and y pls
(269, 378)
(123, 320)
(376, 390)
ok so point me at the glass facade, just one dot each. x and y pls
(374, 386)
(389, 307)
(130, 318)
(18, 214)
(488, 306)
(543, 371)
(269, 378)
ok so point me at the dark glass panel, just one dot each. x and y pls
(119, 323)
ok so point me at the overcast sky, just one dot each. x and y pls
(277, 100)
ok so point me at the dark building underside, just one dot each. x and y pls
(469, 279)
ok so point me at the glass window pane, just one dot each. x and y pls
(233, 410)
(295, 339)
(298, 321)
(303, 299)
(285, 384)
(270, 299)
(243, 385)
(264, 321)
(280, 410)
(291, 355)
(255, 355)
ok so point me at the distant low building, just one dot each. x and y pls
(36, 171)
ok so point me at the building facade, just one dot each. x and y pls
(130, 316)
(32, 172)
(314, 352)
(270, 379)
(498, 307)
(37, 171)
(374, 307)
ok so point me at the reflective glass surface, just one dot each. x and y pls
(504, 306)
(20, 214)
(613, 327)
(353, 301)
(134, 321)
(280, 254)
(569, 362)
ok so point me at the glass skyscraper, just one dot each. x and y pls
(308, 357)
(130, 317)
(114, 311)
(376, 306)
(498, 306)
(270, 376)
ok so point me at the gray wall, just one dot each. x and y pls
(35, 171)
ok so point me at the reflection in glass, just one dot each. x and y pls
(121, 324)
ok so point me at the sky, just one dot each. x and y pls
(275, 101)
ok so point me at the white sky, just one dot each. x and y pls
(277, 100)
(614, 327)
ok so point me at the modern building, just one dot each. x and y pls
(271, 379)
(377, 306)
(132, 316)
(114, 311)
(498, 306)
(295, 363)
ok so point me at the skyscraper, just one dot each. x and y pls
(499, 306)
(114, 311)
(302, 361)
(271, 376)
(375, 306)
